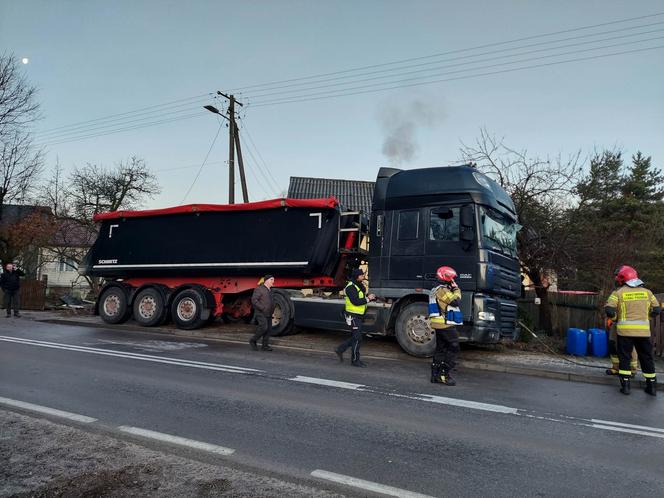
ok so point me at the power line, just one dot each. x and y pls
(111, 122)
(221, 123)
(119, 130)
(258, 152)
(450, 52)
(327, 95)
(104, 127)
(455, 59)
(128, 112)
(270, 186)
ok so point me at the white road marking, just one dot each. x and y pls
(180, 441)
(327, 382)
(366, 485)
(133, 356)
(469, 404)
(629, 426)
(628, 431)
(47, 411)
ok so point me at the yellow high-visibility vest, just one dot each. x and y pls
(352, 308)
(633, 305)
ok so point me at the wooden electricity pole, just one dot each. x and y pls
(233, 146)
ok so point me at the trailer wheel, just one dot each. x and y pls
(113, 307)
(187, 309)
(282, 318)
(413, 332)
(149, 307)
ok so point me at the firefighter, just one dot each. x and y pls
(354, 309)
(631, 305)
(447, 295)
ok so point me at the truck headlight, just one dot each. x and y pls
(486, 316)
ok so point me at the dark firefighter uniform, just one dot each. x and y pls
(632, 307)
(613, 351)
(355, 306)
(447, 336)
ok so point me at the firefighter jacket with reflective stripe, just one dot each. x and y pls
(633, 306)
(355, 302)
(444, 297)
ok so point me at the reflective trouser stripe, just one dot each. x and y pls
(625, 372)
(649, 376)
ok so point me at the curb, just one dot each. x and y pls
(464, 364)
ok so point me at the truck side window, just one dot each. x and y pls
(444, 224)
(408, 225)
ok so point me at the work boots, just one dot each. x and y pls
(440, 374)
(651, 387)
(624, 385)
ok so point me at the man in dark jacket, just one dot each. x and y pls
(354, 309)
(263, 304)
(10, 282)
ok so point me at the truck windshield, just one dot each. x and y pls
(498, 232)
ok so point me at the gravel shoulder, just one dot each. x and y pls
(39, 458)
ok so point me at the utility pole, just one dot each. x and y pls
(233, 145)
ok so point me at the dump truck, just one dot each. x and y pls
(195, 263)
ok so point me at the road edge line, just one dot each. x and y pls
(84, 419)
(366, 485)
(177, 440)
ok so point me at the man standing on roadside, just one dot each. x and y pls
(10, 282)
(263, 304)
(354, 310)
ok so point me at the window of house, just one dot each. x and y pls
(444, 224)
(408, 225)
(67, 264)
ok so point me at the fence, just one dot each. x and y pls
(33, 294)
(583, 311)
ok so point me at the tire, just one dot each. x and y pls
(113, 305)
(149, 308)
(187, 309)
(282, 318)
(413, 332)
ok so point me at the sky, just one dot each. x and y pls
(124, 78)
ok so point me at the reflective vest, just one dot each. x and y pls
(352, 308)
(441, 297)
(633, 305)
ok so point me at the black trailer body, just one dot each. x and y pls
(290, 238)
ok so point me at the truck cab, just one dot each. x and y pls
(456, 216)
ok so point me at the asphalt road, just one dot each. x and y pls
(291, 413)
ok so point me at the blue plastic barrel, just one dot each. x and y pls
(598, 340)
(577, 342)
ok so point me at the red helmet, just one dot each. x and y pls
(446, 273)
(625, 274)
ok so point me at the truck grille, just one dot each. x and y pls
(507, 318)
(509, 282)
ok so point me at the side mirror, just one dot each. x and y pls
(467, 217)
(467, 235)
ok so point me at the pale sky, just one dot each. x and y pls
(94, 59)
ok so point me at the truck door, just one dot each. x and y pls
(407, 247)
(444, 244)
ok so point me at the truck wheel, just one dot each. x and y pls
(187, 309)
(149, 307)
(282, 318)
(413, 332)
(113, 306)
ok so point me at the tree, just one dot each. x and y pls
(87, 191)
(18, 104)
(619, 220)
(540, 190)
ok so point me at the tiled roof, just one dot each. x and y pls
(354, 195)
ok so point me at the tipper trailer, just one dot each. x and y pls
(195, 263)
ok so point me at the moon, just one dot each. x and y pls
(25, 60)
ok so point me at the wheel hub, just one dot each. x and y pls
(419, 330)
(186, 309)
(112, 305)
(147, 307)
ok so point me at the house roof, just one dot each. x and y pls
(353, 195)
(13, 213)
